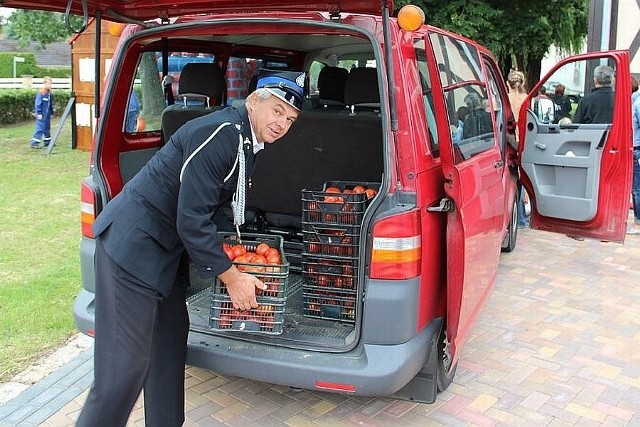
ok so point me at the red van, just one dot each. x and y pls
(416, 113)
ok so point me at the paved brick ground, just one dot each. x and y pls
(557, 345)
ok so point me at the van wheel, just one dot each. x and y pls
(509, 243)
(445, 374)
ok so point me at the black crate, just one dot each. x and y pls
(350, 185)
(344, 207)
(326, 239)
(265, 319)
(329, 306)
(330, 272)
(349, 210)
(273, 275)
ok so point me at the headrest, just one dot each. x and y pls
(362, 87)
(202, 78)
(331, 82)
(286, 85)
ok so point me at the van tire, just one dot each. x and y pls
(445, 373)
(509, 242)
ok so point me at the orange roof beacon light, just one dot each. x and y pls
(410, 17)
(115, 28)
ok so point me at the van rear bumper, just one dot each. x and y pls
(373, 370)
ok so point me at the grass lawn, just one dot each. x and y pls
(39, 244)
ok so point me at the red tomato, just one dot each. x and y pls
(227, 250)
(273, 259)
(370, 192)
(359, 189)
(258, 259)
(262, 248)
(238, 250)
(271, 252)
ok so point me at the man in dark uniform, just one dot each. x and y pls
(143, 236)
(597, 107)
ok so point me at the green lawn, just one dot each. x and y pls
(39, 243)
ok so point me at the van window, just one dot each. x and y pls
(427, 96)
(466, 96)
(497, 106)
(146, 95)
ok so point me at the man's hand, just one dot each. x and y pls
(241, 288)
(39, 116)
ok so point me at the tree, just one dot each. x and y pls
(28, 26)
(518, 32)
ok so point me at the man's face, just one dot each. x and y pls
(271, 118)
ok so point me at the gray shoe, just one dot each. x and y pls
(632, 230)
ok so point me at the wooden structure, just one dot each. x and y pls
(83, 57)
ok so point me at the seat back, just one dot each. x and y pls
(319, 147)
(201, 91)
(331, 83)
(361, 88)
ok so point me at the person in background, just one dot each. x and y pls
(133, 111)
(562, 104)
(166, 217)
(597, 106)
(478, 120)
(517, 95)
(635, 189)
(456, 131)
(43, 112)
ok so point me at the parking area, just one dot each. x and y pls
(557, 345)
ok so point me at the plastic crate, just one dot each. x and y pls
(329, 306)
(265, 319)
(331, 273)
(335, 208)
(327, 239)
(273, 275)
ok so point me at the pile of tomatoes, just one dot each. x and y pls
(261, 260)
(357, 189)
(261, 254)
(263, 318)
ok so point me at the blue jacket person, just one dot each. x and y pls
(143, 237)
(43, 111)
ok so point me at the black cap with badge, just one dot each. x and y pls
(286, 85)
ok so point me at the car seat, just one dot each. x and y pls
(201, 91)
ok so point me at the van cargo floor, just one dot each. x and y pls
(298, 330)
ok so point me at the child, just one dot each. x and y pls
(44, 111)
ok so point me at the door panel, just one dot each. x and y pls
(578, 176)
(563, 162)
(473, 167)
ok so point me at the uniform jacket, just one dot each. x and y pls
(159, 214)
(44, 103)
(596, 107)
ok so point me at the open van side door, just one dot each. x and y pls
(578, 175)
(470, 117)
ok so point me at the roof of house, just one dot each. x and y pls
(54, 55)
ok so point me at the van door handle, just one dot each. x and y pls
(446, 205)
(498, 164)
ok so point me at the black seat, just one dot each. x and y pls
(331, 83)
(201, 91)
(361, 89)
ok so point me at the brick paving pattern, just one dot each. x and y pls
(557, 345)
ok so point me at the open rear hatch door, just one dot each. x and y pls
(145, 10)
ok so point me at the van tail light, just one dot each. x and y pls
(397, 250)
(87, 209)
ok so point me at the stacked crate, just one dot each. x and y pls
(268, 317)
(330, 260)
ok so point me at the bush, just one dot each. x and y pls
(28, 67)
(18, 104)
